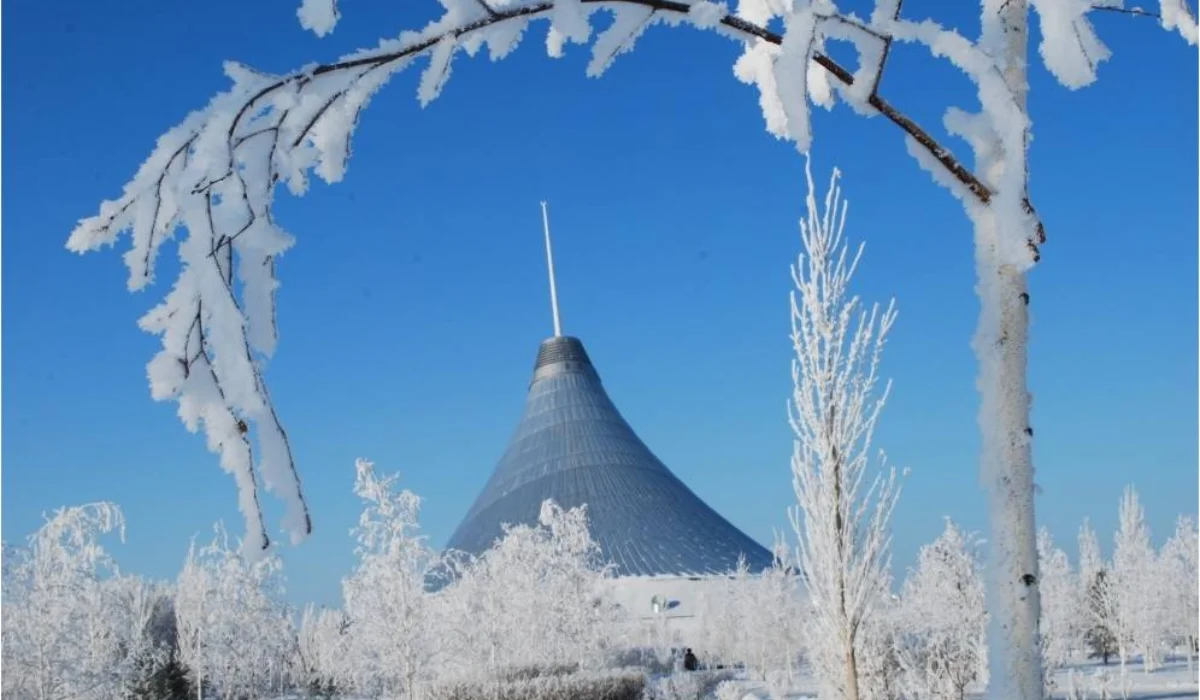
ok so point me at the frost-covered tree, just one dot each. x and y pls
(756, 619)
(74, 627)
(842, 511)
(1097, 604)
(1180, 574)
(879, 665)
(722, 636)
(537, 598)
(942, 650)
(165, 677)
(1136, 584)
(322, 650)
(1060, 615)
(393, 637)
(235, 634)
(1103, 624)
(216, 172)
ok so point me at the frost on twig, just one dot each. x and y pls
(318, 16)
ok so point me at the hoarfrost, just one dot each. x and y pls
(318, 16)
(629, 22)
(1175, 14)
(1069, 47)
(707, 15)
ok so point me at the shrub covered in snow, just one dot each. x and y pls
(693, 685)
(587, 685)
(535, 599)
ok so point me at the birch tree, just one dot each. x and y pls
(842, 510)
(235, 635)
(1134, 584)
(322, 649)
(942, 650)
(75, 628)
(216, 172)
(392, 633)
(1060, 614)
(1180, 575)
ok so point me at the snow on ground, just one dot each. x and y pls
(1095, 680)
(1083, 681)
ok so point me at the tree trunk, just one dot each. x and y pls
(1001, 344)
(851, 670)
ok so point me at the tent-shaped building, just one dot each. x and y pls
(572, 445)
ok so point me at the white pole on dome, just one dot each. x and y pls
(550, 265)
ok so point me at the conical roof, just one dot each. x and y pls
(573, 446)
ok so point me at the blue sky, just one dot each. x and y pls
(415, 298)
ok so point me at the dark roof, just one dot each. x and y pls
(573, 446)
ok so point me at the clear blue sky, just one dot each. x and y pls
(415, 298)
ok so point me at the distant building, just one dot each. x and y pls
(573, 446)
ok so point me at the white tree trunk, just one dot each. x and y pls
(1001, 344)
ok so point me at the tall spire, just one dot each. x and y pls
(550, 265)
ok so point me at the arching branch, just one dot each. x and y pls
(734, 25)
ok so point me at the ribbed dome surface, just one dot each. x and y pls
(573, 446)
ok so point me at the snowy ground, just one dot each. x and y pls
(1094, 680)
(1084, 681)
